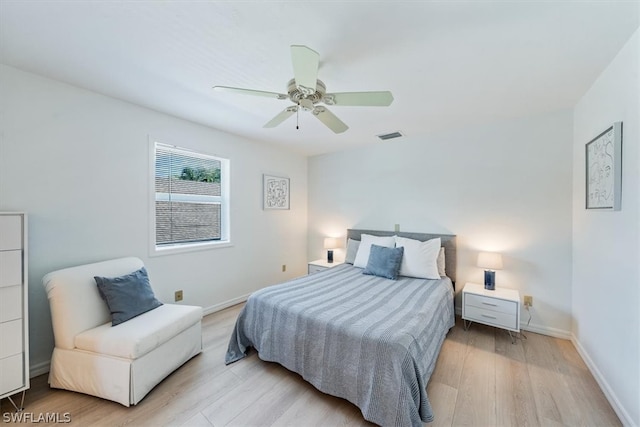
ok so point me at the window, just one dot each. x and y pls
(191, 200)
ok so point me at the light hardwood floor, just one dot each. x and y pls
(480, 379)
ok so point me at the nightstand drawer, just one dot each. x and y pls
(494, 318)
(493, 304)
(315, 269)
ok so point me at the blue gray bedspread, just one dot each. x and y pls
(370, 340)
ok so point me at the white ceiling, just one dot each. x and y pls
(448, 64)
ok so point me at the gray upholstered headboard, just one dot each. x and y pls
(448, 242)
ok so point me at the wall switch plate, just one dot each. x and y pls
(178, 296)
(284, 267)
(528, 300)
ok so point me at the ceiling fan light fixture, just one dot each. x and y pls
(391, 135)
(306, 104)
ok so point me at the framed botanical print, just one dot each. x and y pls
(603, 156)
(275, 192)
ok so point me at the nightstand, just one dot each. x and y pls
(499, 308)
(320, 265)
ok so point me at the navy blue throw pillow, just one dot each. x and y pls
(384, 262)
(127, 296)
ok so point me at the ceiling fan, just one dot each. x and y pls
(307, 92)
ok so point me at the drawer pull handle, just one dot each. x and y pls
(488, 303)
(488, 317)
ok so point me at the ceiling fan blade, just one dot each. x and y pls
(250, 92)
(305, 68)
(329, 119)
(373, 99)
(284, 115)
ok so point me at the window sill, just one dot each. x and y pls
(193, 247)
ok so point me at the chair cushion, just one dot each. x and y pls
(140, 335)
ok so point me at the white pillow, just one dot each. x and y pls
(442, 271)
(366, 240)
(352, 251)
(420, 258)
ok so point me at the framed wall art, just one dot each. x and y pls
(275, 192)
(603, 156)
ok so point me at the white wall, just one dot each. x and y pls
(606, 255)
(77, 162)
(502, 187)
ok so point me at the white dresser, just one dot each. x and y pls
(14, 328)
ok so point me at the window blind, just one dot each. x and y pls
(188, 196)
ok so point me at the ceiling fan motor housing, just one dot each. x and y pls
(306, 101)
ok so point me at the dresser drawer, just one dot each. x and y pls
(10, 268)
(489, 317)
(10, 338)
(11, 232)
(11, 373)
(493, 304)
(10, 303)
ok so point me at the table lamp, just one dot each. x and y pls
(330, 243)
(490, 261)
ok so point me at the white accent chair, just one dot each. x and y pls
(120, 363)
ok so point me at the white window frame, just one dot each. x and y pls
(224, 199)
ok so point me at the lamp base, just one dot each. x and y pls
(329, 257)
(490, 280)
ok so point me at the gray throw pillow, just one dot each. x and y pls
(127, 296)
(352, 251)
(384, 262)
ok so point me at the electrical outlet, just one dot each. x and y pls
(528, 301)
(284, 267)
(178, 296)
(396, 228)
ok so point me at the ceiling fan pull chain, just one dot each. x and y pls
(298, 116)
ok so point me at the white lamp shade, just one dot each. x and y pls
(490, 260)
(331, 243)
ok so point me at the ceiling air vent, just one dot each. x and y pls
(391, 135)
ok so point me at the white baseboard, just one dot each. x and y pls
(39, 368)
(547, 330)
(225, 304)
(538, 329)
(43, 367)
(624, 416)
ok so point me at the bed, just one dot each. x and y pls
(367, 339)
